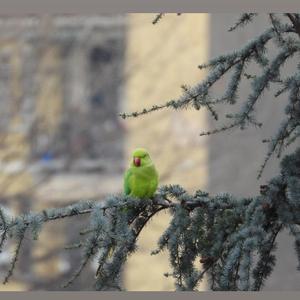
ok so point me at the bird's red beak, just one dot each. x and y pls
(137, 161)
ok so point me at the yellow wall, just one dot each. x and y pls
(159, 60)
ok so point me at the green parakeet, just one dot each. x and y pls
(141, 179)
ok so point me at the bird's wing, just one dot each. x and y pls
(127, 176)
(154, 181)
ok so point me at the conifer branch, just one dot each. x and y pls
(4, 229)
(157, 18)
(243, 20)
(21, 235)
(236, 64)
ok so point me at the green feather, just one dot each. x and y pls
(141, 181)
(126, 182)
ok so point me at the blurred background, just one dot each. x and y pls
(63, 81)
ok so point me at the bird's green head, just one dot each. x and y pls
(140, 158)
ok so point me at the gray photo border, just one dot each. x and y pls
(126, 6)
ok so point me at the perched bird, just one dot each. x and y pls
(141, 179)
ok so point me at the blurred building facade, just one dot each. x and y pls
(60, 87)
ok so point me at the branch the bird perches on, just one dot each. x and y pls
(222, 232)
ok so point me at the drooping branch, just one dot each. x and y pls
(296, 22)
(213, 229)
